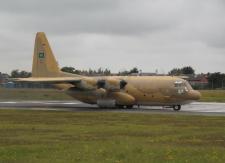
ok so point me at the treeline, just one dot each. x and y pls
(90, 72)
(20, 74)
(216, 80)
(187, 70)
(100, 71)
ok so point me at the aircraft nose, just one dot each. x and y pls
(194, 95)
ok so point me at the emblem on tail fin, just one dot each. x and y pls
(41, 55)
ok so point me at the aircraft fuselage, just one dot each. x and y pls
(140, 90)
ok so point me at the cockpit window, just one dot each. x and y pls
(179, 84)
(188, 85)
(182, 86)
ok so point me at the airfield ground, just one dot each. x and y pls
(60, 136)
(67, 136)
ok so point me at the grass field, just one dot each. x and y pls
(51, 136)
(213, 95)
(50, 94)
(33, 94)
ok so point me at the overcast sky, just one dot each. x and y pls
(116, 34)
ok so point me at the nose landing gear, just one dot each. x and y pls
(176, 107)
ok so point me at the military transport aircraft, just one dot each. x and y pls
(109, 91)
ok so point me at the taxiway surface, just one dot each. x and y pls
(197, 108)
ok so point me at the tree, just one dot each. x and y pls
(89, 72)
(175, 71)
(15, 74)
(216, 80)
(100, 71)
(70, 70)
(124, 73)
(134, 70)
(107, 72)
(188, 70)
(20, 74)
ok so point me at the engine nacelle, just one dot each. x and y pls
(117, 98)
(86, 85)
(112, 84)
(123, 98)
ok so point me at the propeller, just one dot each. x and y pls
(123, 83)
(109, 84)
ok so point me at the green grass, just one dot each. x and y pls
(51, 136)
(33, 94)
(213, 95)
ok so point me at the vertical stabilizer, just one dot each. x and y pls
(44, 62)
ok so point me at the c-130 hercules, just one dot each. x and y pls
(109, 91)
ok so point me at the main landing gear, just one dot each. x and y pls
(124, 106)
(176, 107)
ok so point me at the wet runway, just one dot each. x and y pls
(197, 108)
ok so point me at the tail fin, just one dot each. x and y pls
(44, 62)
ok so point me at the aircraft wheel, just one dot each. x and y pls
(120, 106)
(129, 106)
(176, 107)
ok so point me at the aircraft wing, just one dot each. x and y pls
(49, 80)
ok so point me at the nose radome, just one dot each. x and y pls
(195, 95)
